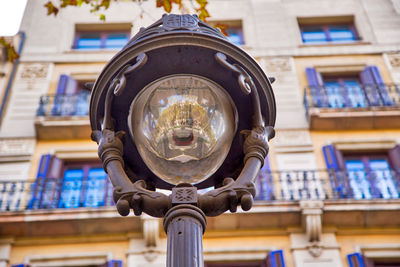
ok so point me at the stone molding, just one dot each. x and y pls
(236, 253)
(311, 211)
(278, 64)
(151, 231)
(16, 149)
(297, 140)
(81, 259)
(389, 250)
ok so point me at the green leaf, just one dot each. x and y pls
(102, 17)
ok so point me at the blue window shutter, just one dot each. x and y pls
(264, 183)
(62, 84)
(275, 259)
(316, 88)
(374, 86)
(52, 185)
(44, 166)
(394, 156)
(330, 156)
(336, 167)
(66, 86)
(112, 263)
(314, 77)
(366, 76)
(356, 260)
(40, 179)
(381, 86)
(376, 74)
(71, 86)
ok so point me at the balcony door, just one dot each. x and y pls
(371, 177)
(345, 92)
(71, 98)
(364, 175)
(83, 186)
(348, 89)
(70, 184)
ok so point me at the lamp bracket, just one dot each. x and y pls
(117, 86)
(244, 79)
(247, 86)
(136, 196)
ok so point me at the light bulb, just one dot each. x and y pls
(183, 127)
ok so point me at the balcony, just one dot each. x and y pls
(63, 116)
(273, 186)
(53, 207)
(372, 106)
(55, 194)
(328, 185)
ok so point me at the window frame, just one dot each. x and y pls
(103, 38)
(325, 23)
(49, 184)
(328, 38)
(85, 166)
(231, 24)
(336, 166)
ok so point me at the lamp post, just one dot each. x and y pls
(182, 108)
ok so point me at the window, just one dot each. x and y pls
(349, 89)
(364, 175)
(70, 184)
(94, 40)
(359, 260)
(71, 99)
(370, 175)
(344, 90)
(84, 185)
(319, 34)
(328, 30)
(232, 29)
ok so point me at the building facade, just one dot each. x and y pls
(328, 194)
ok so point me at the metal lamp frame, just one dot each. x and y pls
(184, 204)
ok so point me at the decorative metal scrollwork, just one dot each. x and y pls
(135, 195)
(118, 85)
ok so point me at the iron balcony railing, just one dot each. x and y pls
(328, 184)
(52, 193)
(356, 96)
(64, 104)
(291, 185)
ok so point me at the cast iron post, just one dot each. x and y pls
(184, 224)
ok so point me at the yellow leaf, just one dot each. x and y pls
(51, 9)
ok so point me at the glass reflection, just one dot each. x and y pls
(183, 127)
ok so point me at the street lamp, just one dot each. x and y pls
(182, 108)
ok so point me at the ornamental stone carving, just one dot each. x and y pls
(32, 71)
(278, 64)
(312, 223)
(394, 60)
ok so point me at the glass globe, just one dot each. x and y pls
(183, 127)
